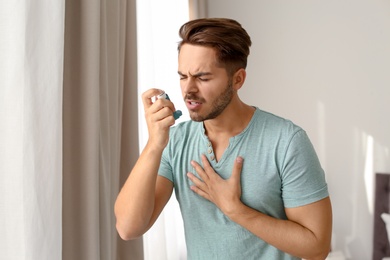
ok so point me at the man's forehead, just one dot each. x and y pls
(195, 60)
(197, 52)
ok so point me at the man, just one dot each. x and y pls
(249, 183)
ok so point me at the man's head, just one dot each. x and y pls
(226, 36)
(212, 60)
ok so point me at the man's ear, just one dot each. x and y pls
(239, 78)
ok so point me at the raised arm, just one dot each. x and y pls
(144, 194)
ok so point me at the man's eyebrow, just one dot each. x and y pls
(199, 74)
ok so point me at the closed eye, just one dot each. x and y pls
(182, 76)
(200, 76)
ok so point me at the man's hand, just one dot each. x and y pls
(159, 117)
(225, 194)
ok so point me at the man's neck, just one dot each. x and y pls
(232, 121)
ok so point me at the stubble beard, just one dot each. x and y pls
(218, 105)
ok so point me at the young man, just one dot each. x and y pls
(249, 183)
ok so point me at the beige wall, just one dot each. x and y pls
(326, 66)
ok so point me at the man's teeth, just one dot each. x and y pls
(194, 103)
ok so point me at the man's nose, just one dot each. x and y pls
(189, 85)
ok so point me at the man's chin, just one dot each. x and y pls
(196, 117)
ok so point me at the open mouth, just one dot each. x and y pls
(193, 105)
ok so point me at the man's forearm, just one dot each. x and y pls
(135, 203)
(286, 235)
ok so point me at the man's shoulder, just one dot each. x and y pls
(274, 122)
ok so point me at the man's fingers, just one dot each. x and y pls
(200, 192)
(202, 173)
(206, 163)
(195, 179)
(237, 167)
(148, 95)
(157, 105)
(199, 186)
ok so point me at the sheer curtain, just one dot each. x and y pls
(68, 127)
(31, 62)
(100, 126)
(158, 23)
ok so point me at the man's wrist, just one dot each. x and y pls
(234, 212)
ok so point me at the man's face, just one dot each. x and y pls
(206, 88)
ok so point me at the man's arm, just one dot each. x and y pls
(306, 233)
(142, 198)
(144, 193)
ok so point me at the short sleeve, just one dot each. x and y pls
(303, 179)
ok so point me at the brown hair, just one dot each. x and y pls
(226, 36)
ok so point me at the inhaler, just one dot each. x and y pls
(177, 113)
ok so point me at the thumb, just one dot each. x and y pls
(237, 167)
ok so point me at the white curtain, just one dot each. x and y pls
(158, 23)
(31, 63)
(68, 127)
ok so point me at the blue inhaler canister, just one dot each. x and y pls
(177, 113)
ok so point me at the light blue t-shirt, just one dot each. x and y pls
(280, 169)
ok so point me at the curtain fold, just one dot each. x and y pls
(100, 125)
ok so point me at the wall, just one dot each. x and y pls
(326, 66)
